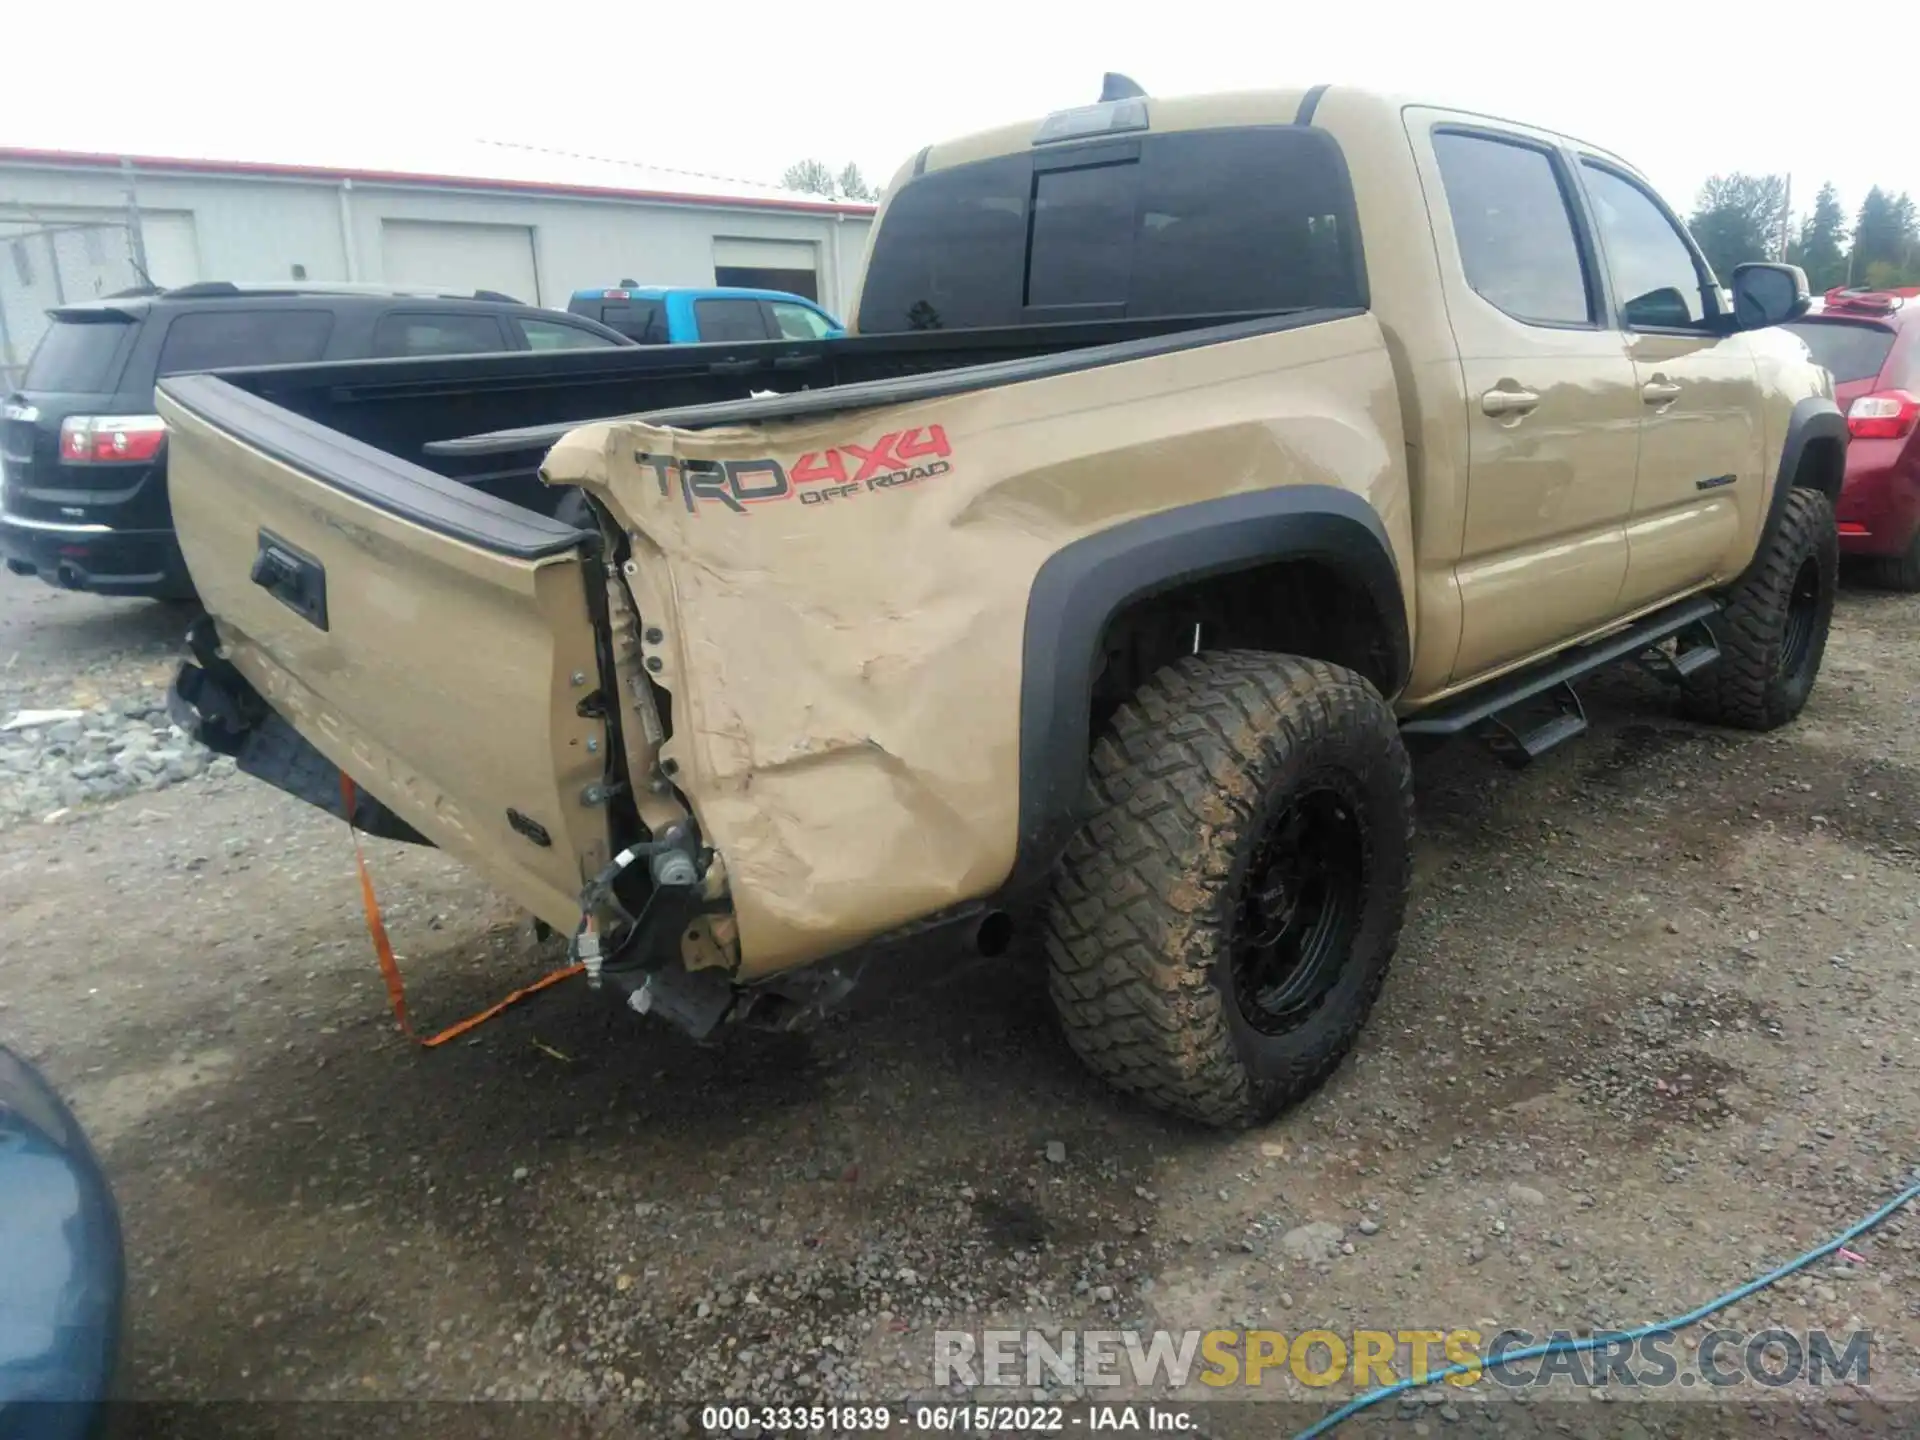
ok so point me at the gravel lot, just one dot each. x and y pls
(1653, 1029)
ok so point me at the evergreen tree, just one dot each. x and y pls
(809, 177)
(1879, 236)
(816, 177)
(1908, 272)
(1820, 247)
(853, 185)
(1738, 218)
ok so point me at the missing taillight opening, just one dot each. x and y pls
(111, 439)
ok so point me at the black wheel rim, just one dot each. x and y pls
(1803, 614)
(1298, 909)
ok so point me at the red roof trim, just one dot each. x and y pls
(10, 154)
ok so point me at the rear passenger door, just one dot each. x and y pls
(1701, 485)
(728, 319)
(1552, 411)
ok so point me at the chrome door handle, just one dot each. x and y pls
(1502, 401)
(1659, 392)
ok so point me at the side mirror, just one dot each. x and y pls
(1767, 294)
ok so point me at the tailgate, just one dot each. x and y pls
(431, 641)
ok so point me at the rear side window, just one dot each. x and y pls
(426, 333)
(552, 335)
(1188, 223)
(730, 320)
(76, 356)
(799, 322)
(1850, 349)
(642, 320)
(1513, 227)
(220, 339)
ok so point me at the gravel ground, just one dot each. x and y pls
(1653, 1028)
(97, 672)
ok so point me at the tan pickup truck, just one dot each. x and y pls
(1191, 459)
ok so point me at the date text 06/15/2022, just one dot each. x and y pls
(949, 1418)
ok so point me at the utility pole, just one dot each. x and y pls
(136, 242)
(1786, 216)
(8, 363)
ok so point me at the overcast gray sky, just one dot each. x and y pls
(743, 88)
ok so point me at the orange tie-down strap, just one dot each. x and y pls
(390, 967)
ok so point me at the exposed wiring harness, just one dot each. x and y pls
(1571, 1345)
(672, 865)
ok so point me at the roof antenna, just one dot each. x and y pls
(1118, 87)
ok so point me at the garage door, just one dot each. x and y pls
(456, 256)
(790, 265)
(173, 249)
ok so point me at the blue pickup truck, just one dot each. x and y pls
(673, 315)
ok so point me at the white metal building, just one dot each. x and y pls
(540, 226)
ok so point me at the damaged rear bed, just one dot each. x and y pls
(805, 677)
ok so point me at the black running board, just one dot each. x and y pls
(1523, 732)
(1476, 707)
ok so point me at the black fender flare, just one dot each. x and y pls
(1083, 586)
(1814, 418)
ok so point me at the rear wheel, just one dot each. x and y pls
(1221, 926)
(1900, 572)
(1773, 632)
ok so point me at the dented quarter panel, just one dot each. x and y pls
(845, 668)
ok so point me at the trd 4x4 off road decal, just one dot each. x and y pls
(816, 478)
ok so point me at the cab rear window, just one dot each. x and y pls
(77, 356)
(642, 320)
(1851, 349)
(1187, 223)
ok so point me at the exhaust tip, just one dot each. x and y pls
(68, 577)
(994, 934)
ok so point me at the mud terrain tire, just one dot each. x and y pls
(1899, 572)
(1774, 630)
(1221, 925)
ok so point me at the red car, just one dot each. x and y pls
(1870, 340)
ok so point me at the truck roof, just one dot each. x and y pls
(698, 292)
(1291, 106)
